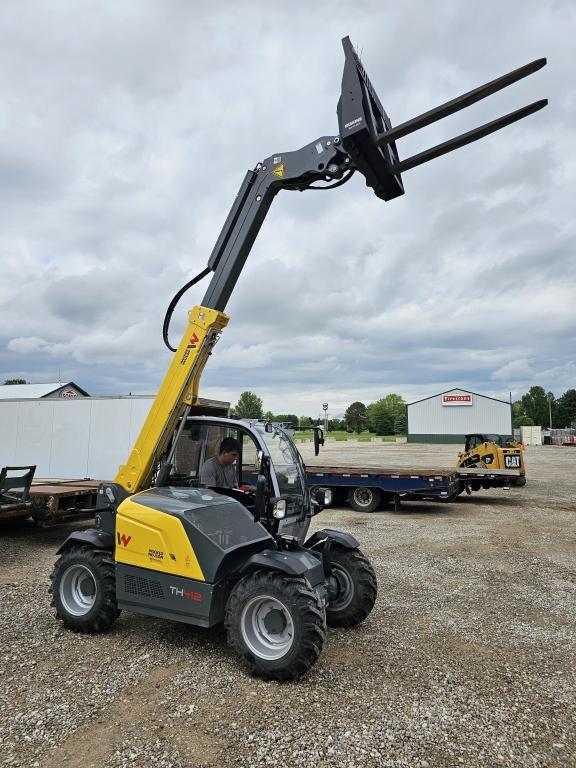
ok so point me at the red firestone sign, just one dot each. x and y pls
(457, 399)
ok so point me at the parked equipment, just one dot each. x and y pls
(202, 556)
(491, 461)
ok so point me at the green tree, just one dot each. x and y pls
(15, 381)
(382, 414)
(519, 417)
(536, 405)
(269, 416)
(249, 406)
(356, 417)
(288, 418)
(395, 405)
(380, 421)
(401, 425)
(370, 417)
(566, 410)
(306, 422)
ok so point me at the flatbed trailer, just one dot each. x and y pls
(55, 500)
(366, 488)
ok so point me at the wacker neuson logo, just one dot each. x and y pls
(457, 399)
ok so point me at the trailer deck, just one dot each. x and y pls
(54, 500)
(474, 478)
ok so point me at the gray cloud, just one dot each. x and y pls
(126, 129)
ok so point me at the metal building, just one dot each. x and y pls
(68, 391)
(84, 437)
(448, 416)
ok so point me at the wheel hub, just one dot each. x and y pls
(78, 590)
(363, 496)
(275, 622)
(267, 627)
(340, 588)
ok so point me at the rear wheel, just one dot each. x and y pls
(352, 587)
(364, 499)
(84, 589)
(276, 624)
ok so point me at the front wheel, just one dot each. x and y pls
(276, 624)
(364, 499)
(352, 587)
(84, 589)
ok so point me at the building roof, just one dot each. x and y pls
(28, 391)
(459, 389)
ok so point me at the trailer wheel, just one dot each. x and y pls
(83, 587)
(276, 624)
(352, 587)
(364, 499)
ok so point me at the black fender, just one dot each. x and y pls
(296, 562)
(91, 537)
(345, 540)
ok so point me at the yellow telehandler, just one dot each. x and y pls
(166, 546)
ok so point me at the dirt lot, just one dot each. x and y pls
(468, 658)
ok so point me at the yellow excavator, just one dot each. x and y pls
(164, 545)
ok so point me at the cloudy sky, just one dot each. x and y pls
(126, 128)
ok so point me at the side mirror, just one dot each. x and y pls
(318, 439)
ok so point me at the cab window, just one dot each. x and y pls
(199, 442)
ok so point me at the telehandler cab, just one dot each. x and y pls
(166, 547)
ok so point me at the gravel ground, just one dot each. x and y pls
(468, 658)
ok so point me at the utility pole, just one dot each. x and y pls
(325, 409)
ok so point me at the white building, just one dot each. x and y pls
(69, 391)
(77, 437)
(448, 416)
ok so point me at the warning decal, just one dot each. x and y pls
(279, 170)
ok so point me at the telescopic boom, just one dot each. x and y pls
(365, 142)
